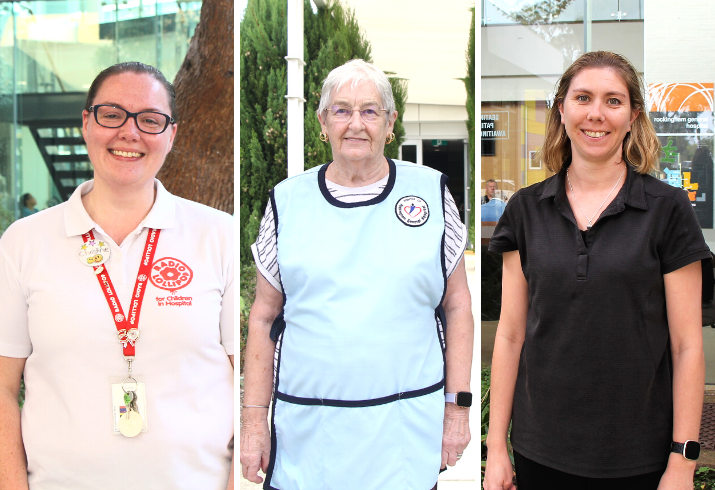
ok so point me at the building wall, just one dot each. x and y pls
(678, 42)
(422, 41)
(677, 48)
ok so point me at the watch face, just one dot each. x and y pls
(692, 450)
(464, 399)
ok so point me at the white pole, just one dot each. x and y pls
(295, 88)
(587, 18)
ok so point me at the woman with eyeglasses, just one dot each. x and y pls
(117, 306)
(361, 333)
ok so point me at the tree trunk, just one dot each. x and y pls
(200, 167)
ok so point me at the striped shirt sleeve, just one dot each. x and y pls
(265, 249)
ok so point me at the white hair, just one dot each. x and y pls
(357, 71)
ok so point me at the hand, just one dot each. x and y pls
(678, 474)
(255, 448)
(499, 473)
(455, 435)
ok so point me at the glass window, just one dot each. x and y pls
(50, 51)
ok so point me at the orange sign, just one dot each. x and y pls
(680, 97)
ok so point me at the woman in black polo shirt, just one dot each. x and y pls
(598, 360)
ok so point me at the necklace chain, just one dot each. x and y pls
(590, 224)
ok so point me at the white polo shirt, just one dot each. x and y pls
(53, 312)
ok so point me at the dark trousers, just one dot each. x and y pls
(531, 475)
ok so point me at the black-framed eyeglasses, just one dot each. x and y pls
(148, 122)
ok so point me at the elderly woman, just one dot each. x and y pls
(104, 406)
(363, 303)
(598, 359)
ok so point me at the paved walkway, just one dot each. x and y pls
(463, 475)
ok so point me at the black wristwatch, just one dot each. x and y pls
(690, 449)
(461, 399)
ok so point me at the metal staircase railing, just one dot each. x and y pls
(63, 148)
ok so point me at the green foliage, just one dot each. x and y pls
(399, 92)
(486, 382)
(263, 107)
(470, 84)
(21, 397)
(332, 37)
(704, 479)
(248, 294)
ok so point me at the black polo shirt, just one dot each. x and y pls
(593, 393)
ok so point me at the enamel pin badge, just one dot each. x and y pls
(94, 253)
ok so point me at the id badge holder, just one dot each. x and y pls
(119, 387)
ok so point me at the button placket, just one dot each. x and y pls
(582, 264)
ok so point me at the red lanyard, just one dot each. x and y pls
(127, 328)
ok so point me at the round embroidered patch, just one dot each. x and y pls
(412, 211)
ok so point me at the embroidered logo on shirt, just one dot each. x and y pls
(412, 211)
(170, 274)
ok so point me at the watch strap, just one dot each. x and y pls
(461, 399)
(677, 447)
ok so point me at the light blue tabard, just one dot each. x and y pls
(359, 388)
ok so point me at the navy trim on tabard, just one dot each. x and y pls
(375, 200)
(279, 324)
(372, 402)
(439, 311)
(440, 315)
(277, 329)
(274, 439)
(272, 197)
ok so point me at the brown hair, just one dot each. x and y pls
(641, 148)
(131, 67)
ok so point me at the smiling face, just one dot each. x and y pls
(597, 115)
(125, 156)
(355, 141)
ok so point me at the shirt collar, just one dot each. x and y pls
(632, 192)
(78, 221)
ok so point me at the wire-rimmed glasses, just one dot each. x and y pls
(343, 113)
(149, 122)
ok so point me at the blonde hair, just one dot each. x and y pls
(641, 148)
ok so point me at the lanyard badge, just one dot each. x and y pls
(95, 253)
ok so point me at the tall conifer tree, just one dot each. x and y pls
(470, 84)
(332, 37)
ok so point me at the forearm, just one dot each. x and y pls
(688, 383)
(682, 299)
(505, 365)
(257, 370)
(13, 464)
(460, 348)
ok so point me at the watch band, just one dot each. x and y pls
(461, 398)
